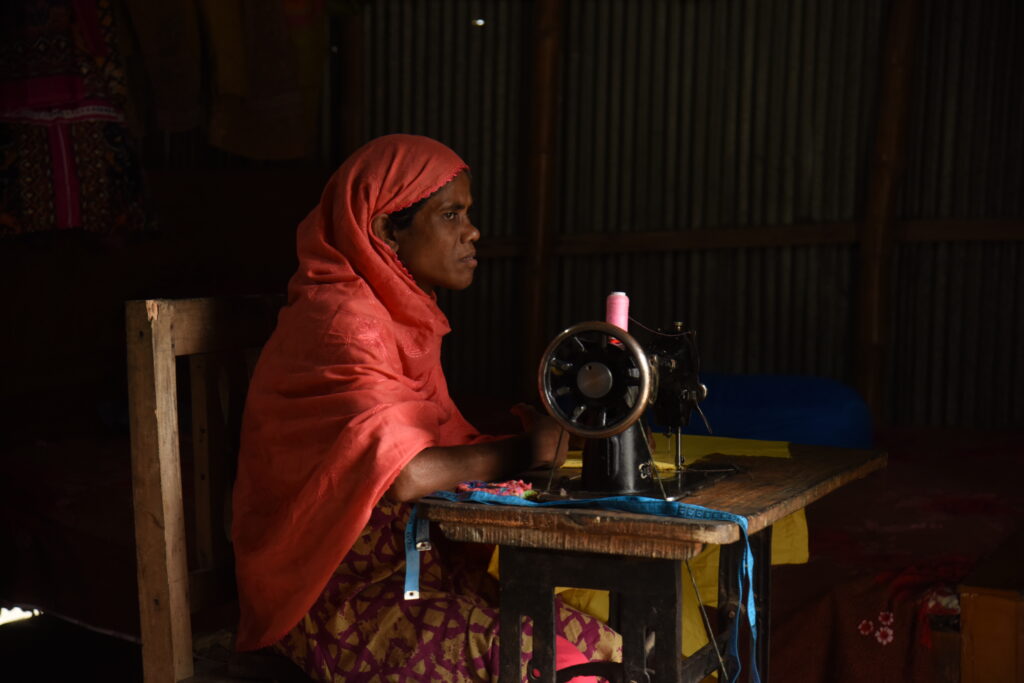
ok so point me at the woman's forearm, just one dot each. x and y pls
(440, 467)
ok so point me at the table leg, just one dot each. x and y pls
(527, 590)
(729, 605)
(665, 620)
(761, 548)
(730, 558)
(649, 602)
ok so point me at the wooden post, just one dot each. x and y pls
(543, 118)
(876, 239)
(156, 482)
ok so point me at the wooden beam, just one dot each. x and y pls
(961, 231)
(547, 27)
(982, 230)
(719, 238)
(876, 238)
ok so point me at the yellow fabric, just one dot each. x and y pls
(789, 535)
(697, 447)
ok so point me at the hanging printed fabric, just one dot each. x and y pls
(66, 156)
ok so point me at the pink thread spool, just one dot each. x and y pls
(616, 310)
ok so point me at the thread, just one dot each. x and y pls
(616, 310)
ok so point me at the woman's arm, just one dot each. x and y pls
(439, 467)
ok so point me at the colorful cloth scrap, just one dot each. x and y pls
(512, 487)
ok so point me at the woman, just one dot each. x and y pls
(348, 419)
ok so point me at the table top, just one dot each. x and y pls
(765, 490)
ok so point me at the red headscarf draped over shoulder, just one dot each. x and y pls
(346, 392)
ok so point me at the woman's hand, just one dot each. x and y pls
(549, 443)
(543, 446)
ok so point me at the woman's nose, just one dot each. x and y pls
(472, 235)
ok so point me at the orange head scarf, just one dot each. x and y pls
(346, 392)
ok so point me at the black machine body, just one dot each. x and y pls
(597, 381)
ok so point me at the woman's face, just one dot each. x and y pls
(439, 247)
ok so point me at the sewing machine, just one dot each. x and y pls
(598, 382)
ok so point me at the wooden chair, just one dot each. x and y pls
(186, 579)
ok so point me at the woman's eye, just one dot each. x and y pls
(450, 215)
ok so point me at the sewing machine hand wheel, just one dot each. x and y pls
(595, 380)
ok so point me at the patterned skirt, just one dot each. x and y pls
(362, 629)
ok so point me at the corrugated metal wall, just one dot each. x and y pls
(965, 151)
(426, 76)
(716, 113)
(958, 318)
(956, 342)
(784, 310)
(679, 115)
(720, 114)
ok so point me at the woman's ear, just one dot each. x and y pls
(383, 229)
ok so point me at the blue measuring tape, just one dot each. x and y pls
(417, 540)
(416, 532)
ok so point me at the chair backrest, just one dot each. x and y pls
(182, 573)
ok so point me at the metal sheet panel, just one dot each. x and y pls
(957, 348)
(965, 156)
(781, 310)
(716, 113)
(480, 356)
(677, 115)
(434, 70)
(958, 318)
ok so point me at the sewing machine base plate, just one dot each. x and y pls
(676, 486)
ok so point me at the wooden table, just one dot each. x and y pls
(636, 557)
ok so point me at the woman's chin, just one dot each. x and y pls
(462, 284)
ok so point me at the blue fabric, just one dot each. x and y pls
(795, 408)
(649, 506)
